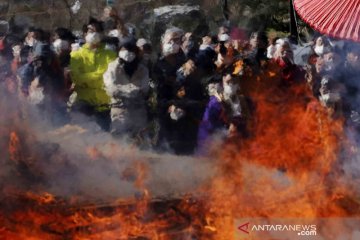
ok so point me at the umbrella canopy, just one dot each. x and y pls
(336, 18)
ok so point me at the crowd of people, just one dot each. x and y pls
(194, 90)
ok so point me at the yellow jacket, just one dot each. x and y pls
(87, 68)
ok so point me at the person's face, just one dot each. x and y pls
(332, 58)
(254, 41)
(107, 12)
(227, 78)
(223, 30)
(323, 90)
(319, 41)
(92, 37)
(181, 92)
(313, 59)
(173, 38)
(319, 65)
(329, 57)
(16, 50)
(353, 58)
(171, 44)
(284, 48)
(30, 34)
(236, 44)
(127, 55)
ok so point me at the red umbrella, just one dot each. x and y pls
(336, 18)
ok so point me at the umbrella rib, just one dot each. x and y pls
(348, 19)
(327, 14)
(337, 18)
(339, 14)
(357, 27)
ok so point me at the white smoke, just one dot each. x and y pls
(85, 162)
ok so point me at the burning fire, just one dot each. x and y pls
(287, 167)
(14, 147)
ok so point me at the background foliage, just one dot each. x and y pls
(247, 14)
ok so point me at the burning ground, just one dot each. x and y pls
(76, 182)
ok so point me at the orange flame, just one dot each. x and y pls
(14, 147)
(286, 168)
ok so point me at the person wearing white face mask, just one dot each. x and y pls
(93, 38)
(171, 42)
(127, 84)
(30, 38)
(230, 94)
(164, 75)
(330, 96)
(171, 60)
(213, 120)
(170, 48)
(319, 46)
(87, 66)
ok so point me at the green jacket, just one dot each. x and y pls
(87, 68)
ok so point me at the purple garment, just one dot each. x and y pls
(211, 122)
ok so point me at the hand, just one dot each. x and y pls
(219, 96)
(206, 40)
(189, 67)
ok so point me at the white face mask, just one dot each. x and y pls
(319, 50)
(16, 50)
(213, 89)
(114, 33)
(170, 48)
(127, 56)
(59, 45)
(93, 38)
(30, 42)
